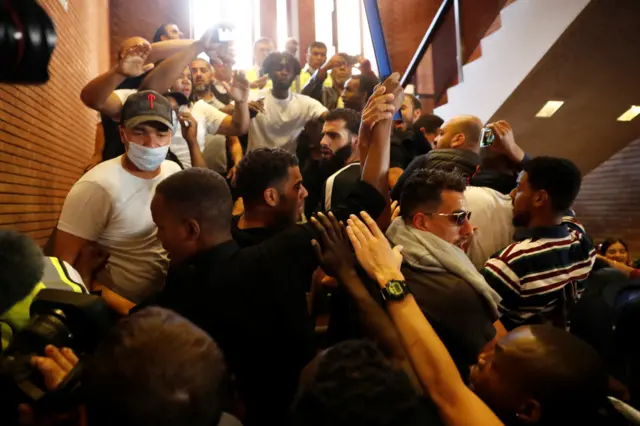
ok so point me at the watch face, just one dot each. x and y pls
(395, 289)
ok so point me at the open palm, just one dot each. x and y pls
(132, 60)
(239, 88)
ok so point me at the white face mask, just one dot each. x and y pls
(146, 159)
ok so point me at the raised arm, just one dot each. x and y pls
(313, 88)
(437, 372)
(165, 74)
(238, 123)
(375, 133)
(189, 127)
(99, 94)
(337, 260)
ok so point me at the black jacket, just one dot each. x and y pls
(465, 162)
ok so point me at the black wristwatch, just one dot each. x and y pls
(395, 290)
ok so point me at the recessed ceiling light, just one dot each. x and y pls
(630, 114)
(549, 109)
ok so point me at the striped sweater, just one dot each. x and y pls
(532, 273)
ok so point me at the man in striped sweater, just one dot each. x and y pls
(541, 273)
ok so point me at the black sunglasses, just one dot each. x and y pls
(457, 218)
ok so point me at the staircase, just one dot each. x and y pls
(527, 31)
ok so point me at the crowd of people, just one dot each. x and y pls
(279, 250)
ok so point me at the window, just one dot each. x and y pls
(243, 14)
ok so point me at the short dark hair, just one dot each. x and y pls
(559, 177)
(21, 267)
(431, 123)
(260, 169)
(161, 31)
(273, 62)
(567, 378)
(425, 187)
(350, 116)
(611, 241)
(415, 102)
(355, 385)
(317, 45)
(201, 194)
(155, 367)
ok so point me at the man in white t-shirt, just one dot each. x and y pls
(285, 113)
(110, 205)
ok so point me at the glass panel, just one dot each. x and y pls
(349, 34)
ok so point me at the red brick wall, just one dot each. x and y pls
(608, 203)
(46, 133)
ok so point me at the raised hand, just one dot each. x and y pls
(335, 254)
(133, 55)
(379, 107)
(505, 142)
(189, 127)
(239, 89)
(260, 83)
(395, 210)
(257, 106)
(373, 251)
(218, 52)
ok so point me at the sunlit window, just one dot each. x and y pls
(241, 13)
(324, 24)
(282, 27)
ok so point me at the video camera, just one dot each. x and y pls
(27, 40)
(59, 318)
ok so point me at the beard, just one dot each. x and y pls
(201, 87)
(338, 160)
(521, 220)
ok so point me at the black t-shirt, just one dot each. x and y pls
(405, 146)
(337, 188)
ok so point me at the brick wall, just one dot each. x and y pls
(46, 133)
(608, 203)
(142, 18)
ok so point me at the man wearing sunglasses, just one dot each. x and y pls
(453, 295)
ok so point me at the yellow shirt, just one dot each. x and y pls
(303, 79)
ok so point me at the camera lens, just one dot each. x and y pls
(45, 329)
(27, 39)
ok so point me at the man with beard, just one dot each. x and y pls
(285, 113)
(540, 275)
(213, 90)
(340, 164)
(433, 228)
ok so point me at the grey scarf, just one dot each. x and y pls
(424, 251)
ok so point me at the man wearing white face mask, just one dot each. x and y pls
(110, 205)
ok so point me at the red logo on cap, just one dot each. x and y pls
(152, 99)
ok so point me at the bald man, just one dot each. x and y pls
(457, 147)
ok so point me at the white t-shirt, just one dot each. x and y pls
(215, 146)
(112, 207)
(208, 117)
(283, 121)
(492, 212)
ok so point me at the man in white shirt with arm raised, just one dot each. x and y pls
(286, 113)
(110, 205)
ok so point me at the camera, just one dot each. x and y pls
(27, 40)
(487, 137)
(60, 318)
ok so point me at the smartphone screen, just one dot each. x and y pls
(225, 35)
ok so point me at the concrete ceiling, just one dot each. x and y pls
(595, 68)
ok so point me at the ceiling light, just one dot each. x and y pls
(630, 114)
(549, 109)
